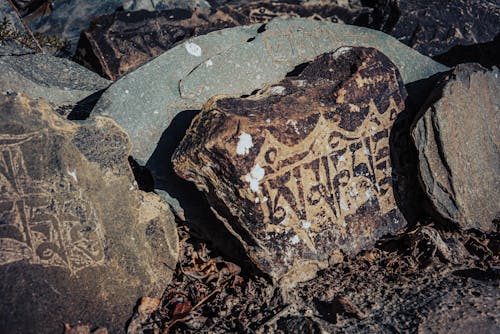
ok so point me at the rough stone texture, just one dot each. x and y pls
(151, 5)
(118, 43)
(6, 12)
(457, 139)
(146, 100)
(60, 81)
(78, 241)
(68, 18)
(287, 43)
(301, 170)
(433, 27)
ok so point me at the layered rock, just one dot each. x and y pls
(78, 241)
(60, 81)
(457, 140)
(301, 172)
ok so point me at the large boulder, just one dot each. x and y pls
(78, 241)
(457, 140)
(60, 81)
(301, 171)
(145, 101)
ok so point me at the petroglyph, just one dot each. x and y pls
(317, 178)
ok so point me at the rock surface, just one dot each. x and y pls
(60, 81)
(457, 140)
(78, 241)
(145, 101)
(120, 42)
(301, 171)
(433, 27)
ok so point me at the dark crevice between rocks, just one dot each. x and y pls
(408, 192)
(254, 92)
(198, 216)
(83, 108)
(262, 28)
(142, 175)
(487, 54)
(297, 70)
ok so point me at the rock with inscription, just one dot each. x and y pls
(457, 140)
(117, 43)
(301, 171)
(60, 81)
(79, 243)
(434, 27)
(145, 101)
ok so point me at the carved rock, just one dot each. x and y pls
(117, 43)
(457, 140)
(78, 241)
(145, 101)
(433, 28)
(60, 81)
(301, 171)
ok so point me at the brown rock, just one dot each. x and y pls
(78, 242)
(302, 169)
(457, 141)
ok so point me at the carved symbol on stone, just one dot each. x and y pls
(39, 224)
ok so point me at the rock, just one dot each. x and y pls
(146, 100)
(432, 28)
(60, 81)
(301, 170)
(151, 5)
(8, 16)
(117, 43)
(78, 242)
(457, 141)
(68, 18)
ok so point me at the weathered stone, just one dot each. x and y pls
(120, 42)
(433, 27)
(146, 100)
(151, 5)
(457, 140)
(78, 241)
(301, 170)
(60, 81)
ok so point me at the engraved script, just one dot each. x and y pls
(44, 223)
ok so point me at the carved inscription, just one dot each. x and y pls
(44, 223)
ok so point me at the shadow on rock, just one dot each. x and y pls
(487, 54)
(187, 202)
(410, 197)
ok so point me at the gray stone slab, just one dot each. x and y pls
(287, 43)
(60, 81)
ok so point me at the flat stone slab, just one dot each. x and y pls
(145, 101)
(60, 81)
(79, 243)
(300, 172)
(457, 139)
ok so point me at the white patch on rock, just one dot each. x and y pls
(295, 240)
(341, 51)
(209, 63)
(305, 224)
(193, 49)
(73, 175)
(368, 194)
(278, 90)
(254, 177)
(244, 144)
